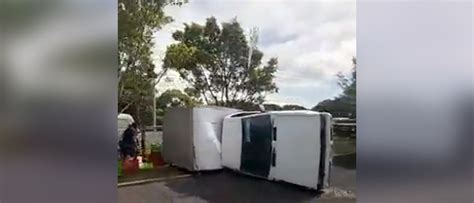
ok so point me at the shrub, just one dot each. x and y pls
(155, 148)
(120, 170)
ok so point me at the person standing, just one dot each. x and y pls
(128, 144)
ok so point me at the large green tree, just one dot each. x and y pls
(213, 60)
(349, 84)
(175, 98)
(138, 20)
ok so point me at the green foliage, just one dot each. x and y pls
(137, 22)
(120, 168)
(146, 166)
(246, 106)
(293, 107)
(155, 148)
(213, 60)
(175, 98)
(272, 107)
(349, 84)
(338, 107)
(345, 104)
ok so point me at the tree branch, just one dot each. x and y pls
(126, 107)
(209, 86)
(161, 76)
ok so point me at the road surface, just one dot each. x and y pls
(228, 186)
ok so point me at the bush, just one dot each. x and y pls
(120, 170)
(155, 148)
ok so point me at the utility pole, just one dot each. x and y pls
(154, 108)
(253, 39)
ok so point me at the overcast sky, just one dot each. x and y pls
(313, 40)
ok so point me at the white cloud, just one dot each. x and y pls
(312, 40)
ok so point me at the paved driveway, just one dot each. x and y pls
(227, 186)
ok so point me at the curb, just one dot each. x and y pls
(349, 153)
(139, 182)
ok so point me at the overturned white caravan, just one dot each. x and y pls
(289, 146)
(192, 137)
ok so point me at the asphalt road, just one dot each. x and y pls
(228, 186)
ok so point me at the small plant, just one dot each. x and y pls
(146, 166)
(120, 169)
(155, 148)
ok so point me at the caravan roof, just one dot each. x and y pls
(125, 117)
(289, 112)
(123, 121)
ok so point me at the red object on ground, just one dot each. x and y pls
(130, 166)
(156, 159)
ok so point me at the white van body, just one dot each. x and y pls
(290, 146)
(123, 121)
(192, 137)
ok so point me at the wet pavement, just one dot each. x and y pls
(229, 186)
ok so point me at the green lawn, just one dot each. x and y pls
(342, 145)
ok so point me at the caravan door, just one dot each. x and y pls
(256, 145)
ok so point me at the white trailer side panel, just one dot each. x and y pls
(298, 149)
(232, 143)
(207, 123)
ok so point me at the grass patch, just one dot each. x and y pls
(344, 146)
(120, 169)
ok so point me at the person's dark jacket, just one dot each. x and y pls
(128, 145)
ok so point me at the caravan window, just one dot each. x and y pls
(254, 125)
(246, 128)
(243, 114)
(256, 156)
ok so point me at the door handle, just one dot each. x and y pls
(273, 157)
